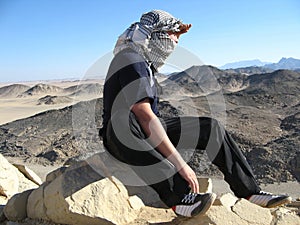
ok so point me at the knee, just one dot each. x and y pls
(212, 122)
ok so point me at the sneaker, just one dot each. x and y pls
(269, 200)
(194, 204)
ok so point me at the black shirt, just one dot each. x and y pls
(129, 80)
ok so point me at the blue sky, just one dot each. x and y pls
(53, 39)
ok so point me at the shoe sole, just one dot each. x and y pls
(207, 206)
(281, 202)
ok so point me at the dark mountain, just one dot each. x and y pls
(250, 70)
(85, 89)
(13, 90)
(244, 63)
(203, 80)
(285, 63)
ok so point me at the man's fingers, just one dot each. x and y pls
(194, 185)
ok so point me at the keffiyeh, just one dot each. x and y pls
(149, 37)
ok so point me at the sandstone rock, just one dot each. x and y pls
(16, 207)
(150, 215)
(205, 185)
(35, 204)
(9, 180)
(52, 175)
(24, 183)
(106, 165)
(135, 202)
(286, 217)
(252, 213)
(217, 215)
(83, 196)
(3, 200)
(228, 200)
(28, 173)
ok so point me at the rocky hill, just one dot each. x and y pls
(40, 89)
(12, 91)
(261, 112)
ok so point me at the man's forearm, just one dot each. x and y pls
(154, 130)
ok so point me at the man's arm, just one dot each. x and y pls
(158, 137)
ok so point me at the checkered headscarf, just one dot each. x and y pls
(149, 37)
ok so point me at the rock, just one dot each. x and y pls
(135, 202)
(150, 215)
(83, 196)
(2, 216)
(35, 205)
(205, 184)
(286, 217)
(228, 200)
(252, 213)
(52, 175)
(294, 204)
(24, 183)
(217, 215)
(28, 173)
(16, 207)
(3, 200)
(9, 180)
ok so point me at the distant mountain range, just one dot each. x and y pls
(284, 63)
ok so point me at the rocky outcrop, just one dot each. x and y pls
(91, 192)
(12, 181)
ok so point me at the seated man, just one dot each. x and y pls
(134, 134)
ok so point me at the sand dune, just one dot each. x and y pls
(26, 99)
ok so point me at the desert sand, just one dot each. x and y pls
(17, 107)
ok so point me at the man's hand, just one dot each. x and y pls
(189, 175)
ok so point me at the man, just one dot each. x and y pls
(134, 134)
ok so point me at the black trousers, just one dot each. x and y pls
(125, 140)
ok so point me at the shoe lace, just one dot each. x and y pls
(189, 198)
(266, 193)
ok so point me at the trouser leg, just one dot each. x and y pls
(126, 142)
(209, 134)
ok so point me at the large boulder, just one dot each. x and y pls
(12, 181)
(35, 205)
(82, 195)
(16, 207)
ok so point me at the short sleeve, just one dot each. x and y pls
(135, 82)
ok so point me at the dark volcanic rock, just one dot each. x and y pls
(58, 135)
(261, 112)
(52, 100)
